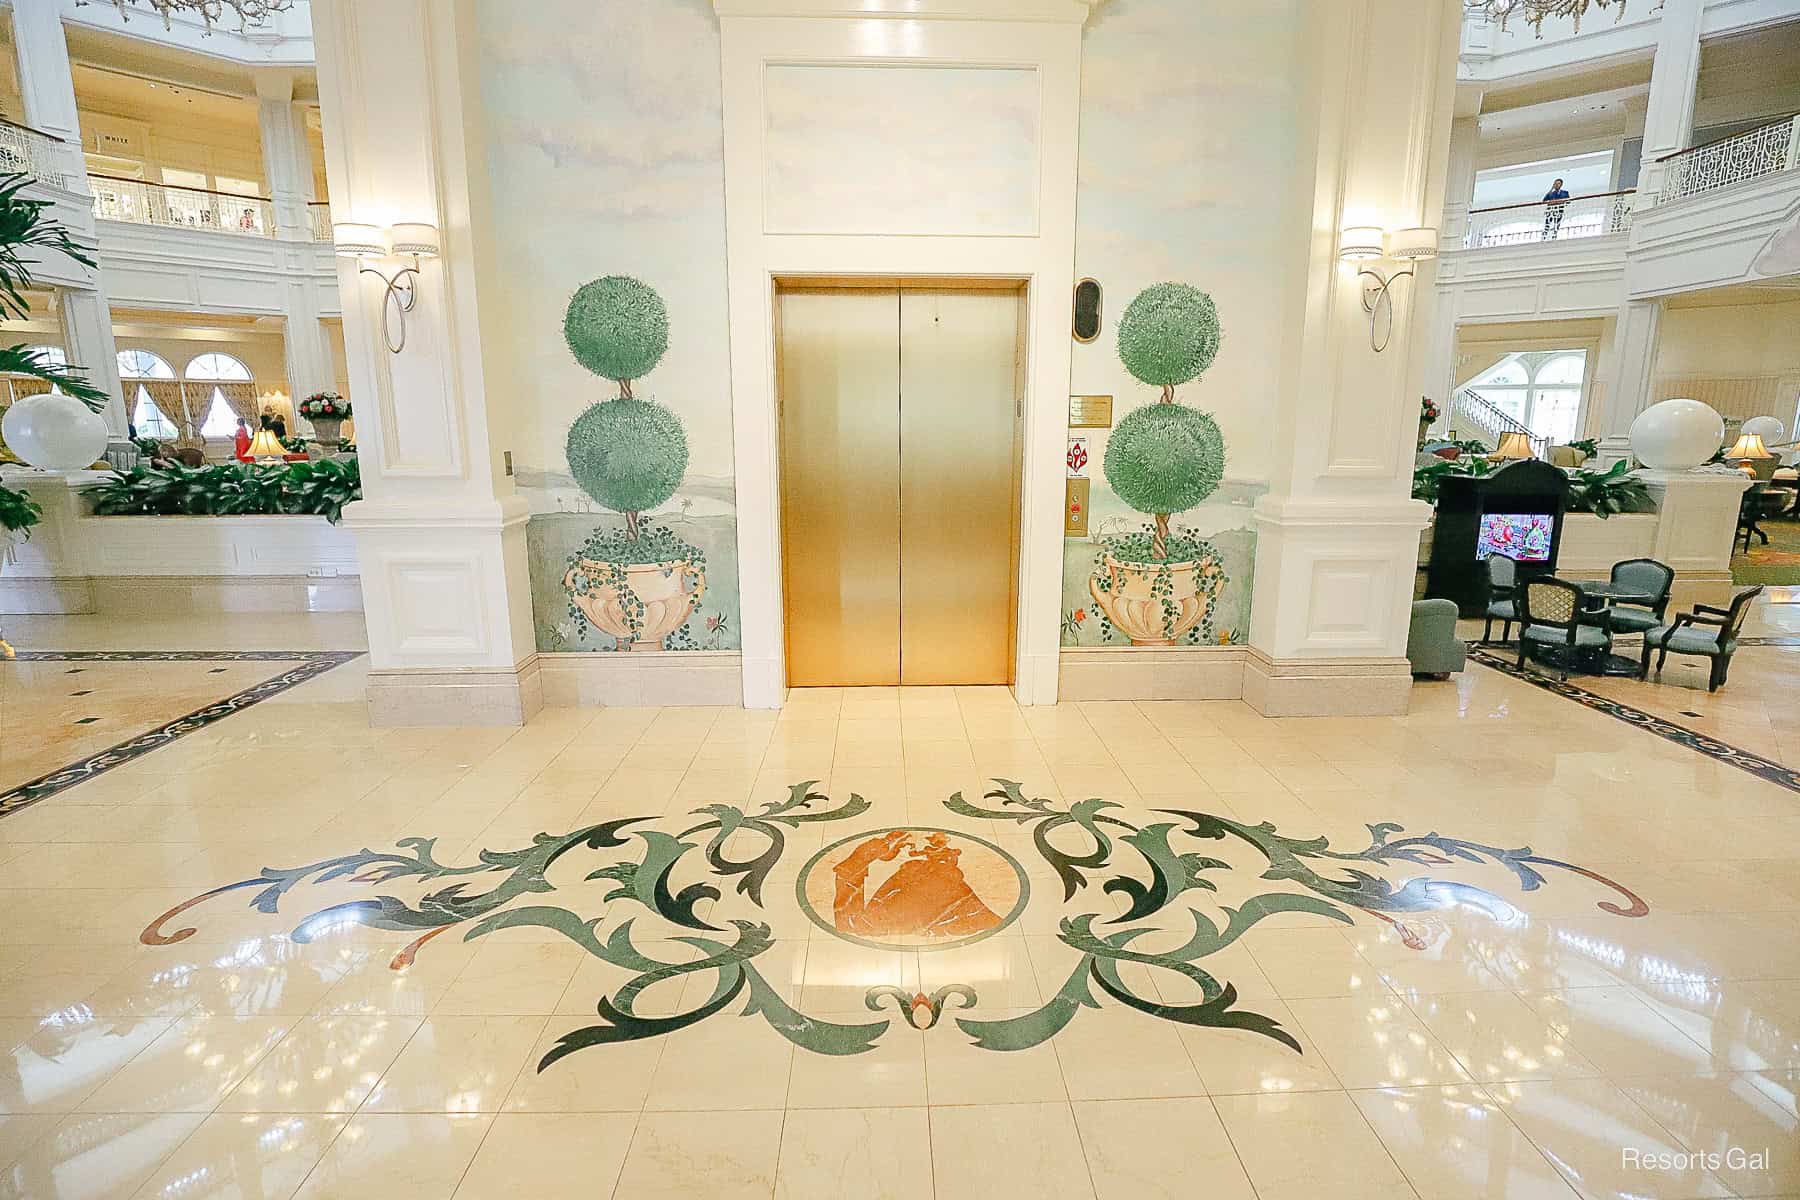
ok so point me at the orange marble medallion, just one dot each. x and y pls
(917, 888)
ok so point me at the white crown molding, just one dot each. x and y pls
(1062, 11)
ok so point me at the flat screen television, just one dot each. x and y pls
(1522, 537)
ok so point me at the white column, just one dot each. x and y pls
(1630, 391)
(47, 95)
(1674, 76)
(1337, 535)
(440, 532)
(287, 165)
(1459, 178)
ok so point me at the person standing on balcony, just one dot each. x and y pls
(1555, 200)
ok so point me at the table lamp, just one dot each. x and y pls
(1748, 446)
(265, 447)
(1514, 444)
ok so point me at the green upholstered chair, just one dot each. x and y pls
(1652, 579)
(1432, 646)
(1503, 604)
(1551, 612)
(1709, 631)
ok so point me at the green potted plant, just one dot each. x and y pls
(1156, 585)
(327, 411)
(640, 583)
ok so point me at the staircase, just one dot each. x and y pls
(1470, 412)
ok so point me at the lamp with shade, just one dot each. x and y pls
(1748, 447)
(1514, 445)
(265, 447)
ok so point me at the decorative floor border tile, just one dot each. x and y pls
(1713, 748)
(308, 664)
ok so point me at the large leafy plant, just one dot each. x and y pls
(1166, 458)
(1604, 493)
(232, 489)
(26, 224)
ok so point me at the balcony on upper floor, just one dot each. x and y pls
(1601, 215)
(174, 207)
(27, 151)
(1748, 156)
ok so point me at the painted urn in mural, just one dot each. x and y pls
(1159, 584)
(639, 584)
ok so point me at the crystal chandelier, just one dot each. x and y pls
(248, 12)
(1539, 11)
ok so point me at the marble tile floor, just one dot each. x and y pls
(1468, 1037)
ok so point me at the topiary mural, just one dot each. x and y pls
(641, 584)
(1163, 459)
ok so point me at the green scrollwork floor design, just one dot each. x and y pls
(948, 888)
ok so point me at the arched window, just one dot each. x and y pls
(216, 367)
(1540, 389)
(50, 356)
(221, 421)
(135, 366)
(15, 386)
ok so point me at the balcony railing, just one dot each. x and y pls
(318, 216)
(176, 207)
(1732, 160)
(1550, 221)
(25, 151)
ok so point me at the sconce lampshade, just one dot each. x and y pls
(1514, 445)
(266, 447)
(356, 240)
(1359, 243)
(417, 238)
(1416, 243)
(1749, 445)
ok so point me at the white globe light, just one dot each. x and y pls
(55, 432)
(1677, 435)
(1769, 429)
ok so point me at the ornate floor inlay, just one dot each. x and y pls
(914, 889)
(307, 664)
(1744, 760)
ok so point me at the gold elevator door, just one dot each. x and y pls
(899, 483)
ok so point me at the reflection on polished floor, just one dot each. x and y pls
(640, 954)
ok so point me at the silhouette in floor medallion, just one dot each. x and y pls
(927, 897)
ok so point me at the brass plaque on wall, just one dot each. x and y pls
(1075, 507)
(1090, 412)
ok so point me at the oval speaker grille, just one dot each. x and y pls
(1087, 310)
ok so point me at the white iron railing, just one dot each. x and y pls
(1469, 408)
(1559, 220)
(165, 204)
(318, 215)
(25, 151)
(1739, 159)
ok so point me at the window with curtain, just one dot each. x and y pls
(232, 395)
(136, 369)
(18, 387)
(1540, 389)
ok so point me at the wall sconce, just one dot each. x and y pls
(408, 239)
(1363, 244)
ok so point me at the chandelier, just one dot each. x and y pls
(248, 12)
(1539, 11)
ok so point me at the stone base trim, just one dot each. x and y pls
(1333, 687)
(1142, 673)
(635, 678)
(456, 697)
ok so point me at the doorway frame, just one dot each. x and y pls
(1043, 36)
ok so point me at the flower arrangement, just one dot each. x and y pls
(1428, 409)
(325, 404)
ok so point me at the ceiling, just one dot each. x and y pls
(104, 90)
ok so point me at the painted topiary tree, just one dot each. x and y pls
(629, 454)
(1163, 459)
